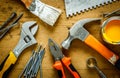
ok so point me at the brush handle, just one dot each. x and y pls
(27, 2)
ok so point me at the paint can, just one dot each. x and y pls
(111, 30)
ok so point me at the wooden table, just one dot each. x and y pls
(78, 51)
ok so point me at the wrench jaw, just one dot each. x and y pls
(30, 27)
(27, 37)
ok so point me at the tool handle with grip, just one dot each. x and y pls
(58, 66)
(67, 62)
(7, 65)
(100, 48)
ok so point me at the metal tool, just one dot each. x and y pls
(61, 59)
(3, 29)
(114, 13)
(26, 39)
(8, 20)
(77, 6)
(33, 65)
(45, 12)
(79, 32)
(92, 63)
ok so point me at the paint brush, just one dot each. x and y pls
(45, 12)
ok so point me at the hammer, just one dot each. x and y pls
(79, 32)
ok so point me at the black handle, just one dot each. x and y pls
(7, 65)
(2, 64)
(8, 70)
(60, 73)
(6, 73)
(117, 64)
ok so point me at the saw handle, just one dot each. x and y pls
(58, 66)
(67, 62)
(105, 52)
(7, 65)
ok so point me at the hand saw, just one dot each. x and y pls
(77, 6)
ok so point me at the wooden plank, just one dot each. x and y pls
(79, 52)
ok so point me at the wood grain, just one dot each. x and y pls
(78, 51)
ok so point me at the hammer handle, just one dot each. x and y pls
(100, 48)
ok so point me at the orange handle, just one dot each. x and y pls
(105, 52)
(27, 2)
(58, 66)
(67, 62)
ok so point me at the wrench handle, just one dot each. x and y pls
(7, 65)
(100, 48)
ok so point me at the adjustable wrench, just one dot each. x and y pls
(26, 39)
(79, 32)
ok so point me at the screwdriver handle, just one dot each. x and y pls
(58, 66)
(67, 62)
(7, 65)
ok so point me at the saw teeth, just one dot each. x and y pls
(75, 13)
(79, 6)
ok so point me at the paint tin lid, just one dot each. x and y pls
(111, 30)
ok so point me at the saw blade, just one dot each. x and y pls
(77, 6)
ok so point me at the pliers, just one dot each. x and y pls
(4, 28)
(61, 59)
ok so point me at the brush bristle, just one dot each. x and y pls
(45, 12)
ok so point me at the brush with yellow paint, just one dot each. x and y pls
(111, 30)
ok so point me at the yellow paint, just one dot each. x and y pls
(112, 30)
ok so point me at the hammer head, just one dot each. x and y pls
(78, 31)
